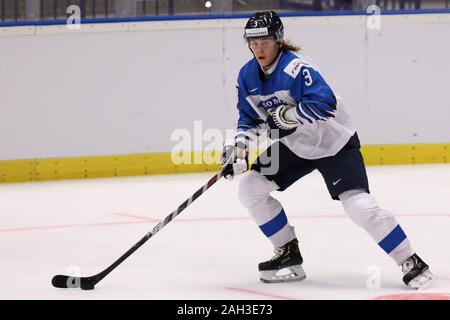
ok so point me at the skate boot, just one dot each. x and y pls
(284, 266)
(416, 273)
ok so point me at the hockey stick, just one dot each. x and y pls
(88, 283)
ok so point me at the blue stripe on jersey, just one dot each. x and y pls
(301, 115)
(316, 110)
(321, 109)
(393, 239)
(324, 106)
(305, 109)
(276, 224)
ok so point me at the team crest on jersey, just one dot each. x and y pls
(271, 103)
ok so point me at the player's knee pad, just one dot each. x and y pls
(360, 206)
(254, 189)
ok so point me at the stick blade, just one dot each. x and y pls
(63, 281)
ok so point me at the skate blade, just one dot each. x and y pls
(296, 273)
(422, 281)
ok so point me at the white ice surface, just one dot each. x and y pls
(211, 250)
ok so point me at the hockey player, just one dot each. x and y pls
(311, 130)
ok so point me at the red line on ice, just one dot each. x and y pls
(310, 216)
(141, 217)
(260, 293)
(443, 278)
(62, 226)
(146, 219)
(415, 296)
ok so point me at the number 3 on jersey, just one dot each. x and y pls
(308, 78)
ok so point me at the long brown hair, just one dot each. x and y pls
(287, 45)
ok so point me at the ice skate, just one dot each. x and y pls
(285, 266)
(416, 273)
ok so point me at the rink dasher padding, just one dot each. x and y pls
(27, 170)
(65, 92)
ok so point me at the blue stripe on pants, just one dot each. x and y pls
(276, 224)
(393, 239)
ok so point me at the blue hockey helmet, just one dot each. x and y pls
(263, 24)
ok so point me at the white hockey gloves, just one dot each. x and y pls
(234, 159)
(282, 121)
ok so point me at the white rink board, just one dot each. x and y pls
(125, 87)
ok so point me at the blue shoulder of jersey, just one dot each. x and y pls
(316, 100)
(248, 118)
